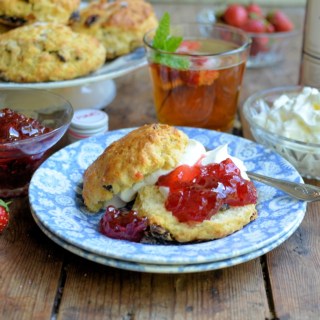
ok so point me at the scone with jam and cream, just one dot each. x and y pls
(132, 162)
(176, 187)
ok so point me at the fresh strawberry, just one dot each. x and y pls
(259, 44)
(269, 27)
(255, 26)
(4, 215)
(195, 78)
(254, 10)
(280, 21)
(235, 15)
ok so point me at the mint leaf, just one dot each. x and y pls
(162, 32)
(175, 62)
(173, 43)
(166, 42)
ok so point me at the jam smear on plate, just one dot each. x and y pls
(200, 191)
(123, 224)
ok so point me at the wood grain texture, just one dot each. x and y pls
(294, 270)
(29, 268)
(107, 293)
(40, 280)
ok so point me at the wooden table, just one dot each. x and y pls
(40, 280)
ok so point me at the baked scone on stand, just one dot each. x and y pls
(16, 13)
(158, 186)
(42, 52)
(120, 24)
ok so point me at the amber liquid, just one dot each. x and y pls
(183, 99)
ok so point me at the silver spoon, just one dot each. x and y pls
(300, 191)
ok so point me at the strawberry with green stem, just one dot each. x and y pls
(280, 21)
(4, 214)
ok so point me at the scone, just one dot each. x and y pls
(119, 25)
(130, 160)
(184, 192)
(20, 12)
(150, 203)
(48, 52)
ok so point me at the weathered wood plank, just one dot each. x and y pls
(29, 271)
(294, 270)
(100, 292)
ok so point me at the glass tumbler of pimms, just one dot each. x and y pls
(198, 85)
(31, 123)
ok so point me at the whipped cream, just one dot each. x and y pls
(193, 153)
(220, 154)
(216, 155)
(296, 117)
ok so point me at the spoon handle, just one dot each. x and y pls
(301, 191)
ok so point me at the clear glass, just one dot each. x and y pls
(205, 93)
(267, 48)
(19, 159)
(305, 157)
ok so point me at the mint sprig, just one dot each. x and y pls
(164, 41)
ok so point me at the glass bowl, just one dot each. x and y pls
(305, 157)
(19, 159)
(267, 49)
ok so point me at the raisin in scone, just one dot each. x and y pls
(5, 28)
(130, 160)
(119, 25)
(20, 12)
(48, 52)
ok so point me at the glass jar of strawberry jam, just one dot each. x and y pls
(31, 122)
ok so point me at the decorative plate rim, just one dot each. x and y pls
(172, 269)
(63, 213)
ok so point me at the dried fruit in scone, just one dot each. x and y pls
(130, 160)
(48, 52)
(150, 203)
(4, 28)
(119, 25)
(20, 12)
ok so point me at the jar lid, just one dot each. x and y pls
(87, 119)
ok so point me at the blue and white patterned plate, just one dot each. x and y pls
(55, 198)
(155, 268)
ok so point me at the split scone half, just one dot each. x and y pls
(127, 162)
(129, 171)
(150, 203)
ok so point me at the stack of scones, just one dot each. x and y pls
(55, 40)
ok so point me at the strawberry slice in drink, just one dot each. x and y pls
(168, 78)
(195, 78)
(189, 46)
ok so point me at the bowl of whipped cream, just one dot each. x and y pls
(287, 120)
